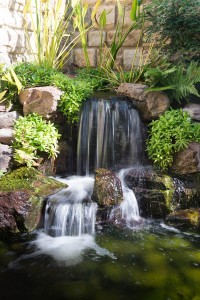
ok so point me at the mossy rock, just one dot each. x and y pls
(21, 198)
(107, 188)
(185, 219)
(154, 191)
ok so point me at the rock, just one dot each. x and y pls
(7, 119)
(65, 161)
(107, 188)
(40, 100)
(150, 104)
(188, 160)
(21, 199)
(6, 136)
(5, 106)
(193, 110)
(154, 191)
(184, 219)
(5, 157)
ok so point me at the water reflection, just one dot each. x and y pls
(156, 262)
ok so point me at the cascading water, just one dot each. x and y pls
(71, 212)
(109, 137)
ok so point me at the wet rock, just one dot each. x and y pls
(150, 104)
(40, 100)
(21, 199)
(184, 219)
(6, 136)
(154, 191)
(5, 157)
(188, 160)
(8, 119)
(193, 110)
(107, 188)
(65, 160)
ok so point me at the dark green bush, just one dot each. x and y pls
(171, 133)
(178, 21)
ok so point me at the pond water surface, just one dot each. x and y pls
(152, 262)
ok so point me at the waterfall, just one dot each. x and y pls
(109, 135)
(71, 212)
(128, 210)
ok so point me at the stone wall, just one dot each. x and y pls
(13, 43)
(133, 48)
(13, 46)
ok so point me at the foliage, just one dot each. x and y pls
(171, 133)
(51, 31)
(10, 85)
(177, 21)
(140, 64)
(33, 138)
(75, 90)
(79, 14)
(108, 55)
(178, 81)
(95, 76)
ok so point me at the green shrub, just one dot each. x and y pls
(178, 21)
(33, 138)
(171, 133)
(76, 90)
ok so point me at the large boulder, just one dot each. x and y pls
(107, 188)
(6, 136)
(7, 119)
(187, 161)
(40, 100)
(150, 104)
(5, 157)
(193, 110)
(21, 199)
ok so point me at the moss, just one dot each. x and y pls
(19, 179)
(29, 179)
(169, 192)
(35, 187)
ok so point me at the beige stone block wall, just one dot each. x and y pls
(132, 49)
(13, 42)
(13, 45)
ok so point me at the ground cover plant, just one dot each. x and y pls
(34, 138)
(172, 132)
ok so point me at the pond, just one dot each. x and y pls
(150, 262)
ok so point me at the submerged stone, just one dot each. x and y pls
(107, 188)
(184, 219)
(21, 199)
